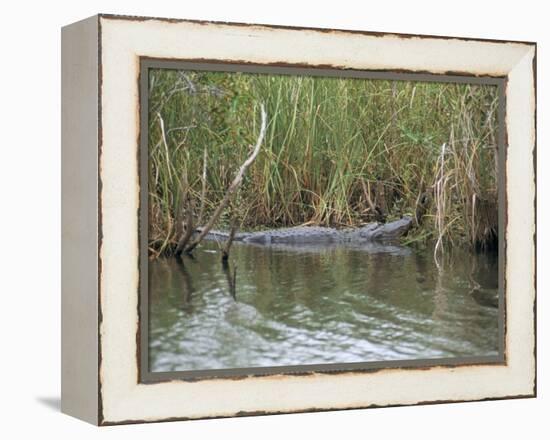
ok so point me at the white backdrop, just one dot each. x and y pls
(30, 217)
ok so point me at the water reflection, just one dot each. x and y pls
(289, 305)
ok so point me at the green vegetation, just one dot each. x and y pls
(337, 152)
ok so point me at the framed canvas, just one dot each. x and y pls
(265, 219)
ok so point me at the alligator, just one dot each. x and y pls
(302, 235)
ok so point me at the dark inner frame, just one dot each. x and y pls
(142, 336)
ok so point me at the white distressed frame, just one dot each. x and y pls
(122, 398)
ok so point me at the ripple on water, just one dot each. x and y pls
(299, 307)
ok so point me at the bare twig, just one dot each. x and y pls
(190, 85)
(188, 227)
(376, 211)
(440, 198)
(229, 242)
(422, 203)
(187, 285)
(165, 142)
(203, 189)
(234, 185)
(231, 278)
(367, 196)
(381, 199)
(183, 128)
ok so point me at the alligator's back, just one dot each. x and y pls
(297, 234)
(321, 235)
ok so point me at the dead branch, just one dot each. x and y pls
(234, 185)
(229, 242)
(203, 189)
(440, 199)
(367, 196)
(422, 204)
(376, 211)
(188, 227)
(187, 285)
(190, 84)
(165, 142)
(231, 278)
(381, 200)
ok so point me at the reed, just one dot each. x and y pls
(333, 148)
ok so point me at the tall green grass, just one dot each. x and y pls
(331, 144)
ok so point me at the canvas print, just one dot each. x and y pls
(306, 220)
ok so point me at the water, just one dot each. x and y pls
(297, 306)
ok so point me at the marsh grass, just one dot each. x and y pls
(333, 148)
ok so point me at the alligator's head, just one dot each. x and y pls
(387, 231)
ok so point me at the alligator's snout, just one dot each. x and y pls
(390, 231)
